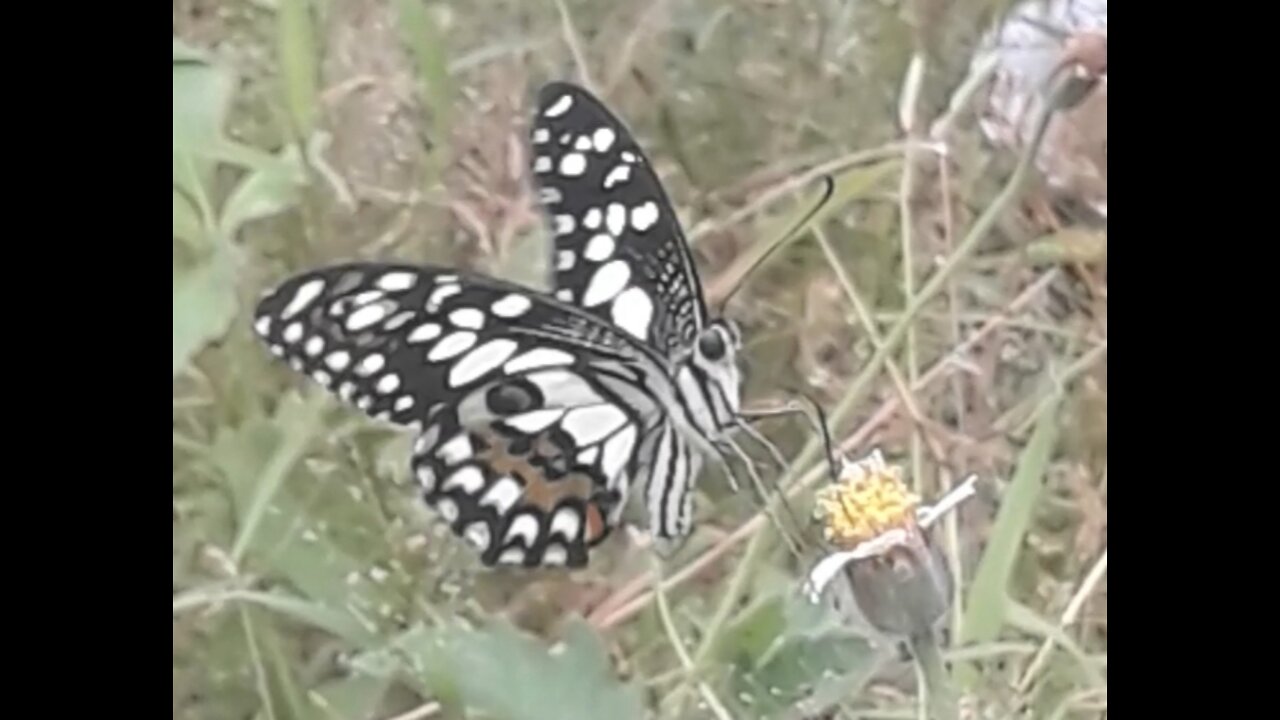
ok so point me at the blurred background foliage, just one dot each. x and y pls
(308, 580)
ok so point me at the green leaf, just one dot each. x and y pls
(201, 99)
(504, 674)
(1074, 244)
(310, 532)
(355, 696)
(271, 188)
(988, 595)
(187, 224)
(296, 46)
(788, 655)
(204, 304)
(298, 420)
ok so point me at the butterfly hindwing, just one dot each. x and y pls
(619, 250)
(529, 413)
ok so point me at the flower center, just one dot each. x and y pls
(869, 499)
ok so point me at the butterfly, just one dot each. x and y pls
(538, 415)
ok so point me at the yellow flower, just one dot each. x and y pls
(869, 500)
(899, 580)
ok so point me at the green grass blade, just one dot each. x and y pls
(296, 47)
(305, 421)
(988, 595)
(1027, 620)
(306, 612)
(422, 36)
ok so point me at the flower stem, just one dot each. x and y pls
(938, 700)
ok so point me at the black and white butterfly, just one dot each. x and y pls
(538, 415)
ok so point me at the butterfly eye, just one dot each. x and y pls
(711, 345)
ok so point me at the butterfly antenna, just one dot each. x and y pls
(829, 188)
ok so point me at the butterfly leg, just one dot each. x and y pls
(759, 485)
(818, 423)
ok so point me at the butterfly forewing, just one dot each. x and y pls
(619, 251)
(530, 414)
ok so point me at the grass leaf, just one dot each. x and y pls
(988, 595)
(299, 63)
(204, 304)
(504, 674)
(307, 612)
(1028, 621)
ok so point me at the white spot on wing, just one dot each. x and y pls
(469, 318)
(293, 333)
(399, 319)
(616, 451)
(366, 316)
(404, 402)
(525, 525)
(588, 456)
(477, 533)
(564, 295)
(608, 281)
(502, 495)
(599, 248)
(537, 358)
(511, 556)
(314, 346)
(592, 218)
(440, 294)
(367, 297)
(262, 325)
(427, 477)
(632, 311)
(566, 388)
(457, 450)
(555, 554)
(322, 377)
(388, 383)
(372, 363)
(469, 478)
(567, 522)
(603, 139)
(306, 293)
(588, 425)
(564, 224)
(616, 220)
(513, 305)
(619, 174)
(541, 135)
(565, 260)
(559, 107)
(338, 360)
(534, 420)
(644, 216)
(573, 164)
(582, 143)
(453, 344)
(480, 361)
(448, 509)
(542, 164)
(397, 281)
(424, 332)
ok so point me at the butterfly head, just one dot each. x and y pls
(715, 355)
